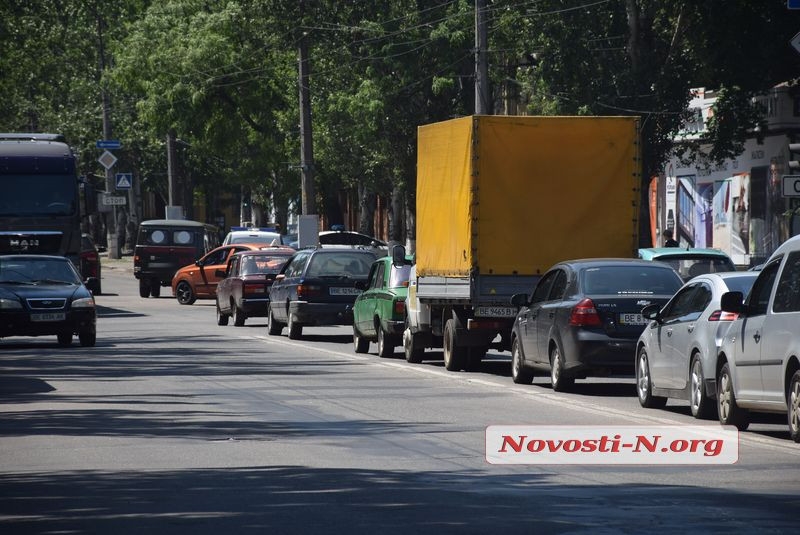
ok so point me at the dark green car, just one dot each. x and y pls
(379, 311)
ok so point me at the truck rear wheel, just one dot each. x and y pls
(454, 357)
(144, 288)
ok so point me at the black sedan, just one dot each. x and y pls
(584, 318)
(318, 287)
(44, 295)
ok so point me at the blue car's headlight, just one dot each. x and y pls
(10, 304)
(83, 302)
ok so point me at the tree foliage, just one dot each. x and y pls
(222, 74)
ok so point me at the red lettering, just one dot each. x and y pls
(509, 441)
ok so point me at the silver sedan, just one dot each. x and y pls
(676, 352)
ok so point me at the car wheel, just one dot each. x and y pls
(558, 380)
(794, 406)
(155, 288)
(87, 338)
(64, 339)
(144, 288)
(453, 355)
(238, 315)
(729, 412)
(273, 327)
(644, 384)
(360, 344)
(702, 407)
(295, 329)
(184, 293)
(222, 319)
(519, 373)
(412, 347)
(385, 344)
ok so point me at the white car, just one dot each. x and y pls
(677, 351)
(253, 235)
(758, 366)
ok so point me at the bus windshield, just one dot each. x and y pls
(27, 195)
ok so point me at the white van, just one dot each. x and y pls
(758, 365)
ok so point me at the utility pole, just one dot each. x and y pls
(482, 98)
(306, 148)
(110, 218)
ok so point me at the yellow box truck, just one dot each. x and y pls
(500, 199)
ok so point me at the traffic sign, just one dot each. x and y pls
(114, 200)
(108, 144)
(791, 185)
(107, 160)
(124, 180)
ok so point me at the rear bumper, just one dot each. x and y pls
(306, 313)
(597, 354)
(255, 308)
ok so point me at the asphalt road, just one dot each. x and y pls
(172, 424)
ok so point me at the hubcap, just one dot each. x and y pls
(794, 407)
(644, 379)
(697, 384)
(724, 397)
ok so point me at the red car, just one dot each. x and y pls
(199, 280)
(244, 289)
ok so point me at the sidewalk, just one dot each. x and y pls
(122, 264)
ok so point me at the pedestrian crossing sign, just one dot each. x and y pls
(124, 180)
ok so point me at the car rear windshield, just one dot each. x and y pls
(262, 264)
(167, 236)
(398, 278)
(339, 264)
(741, 284)
(622, 280)
(699, 265)
(266, 239)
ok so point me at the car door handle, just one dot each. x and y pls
(757, 337)
(669, 332)
(551, 314)
(690, 328)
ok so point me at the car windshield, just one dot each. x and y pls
(266, 239)
(398, 278)
(339, 264)
(37, 270)
(262, 264)
(623, 280)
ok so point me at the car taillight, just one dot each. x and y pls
(305, 291)
(89, 255)
(251, 289)
(721, 315)
(584, 314)
(399, 308)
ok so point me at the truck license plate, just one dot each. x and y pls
(50, 316)
(632, 319)
(496, 312)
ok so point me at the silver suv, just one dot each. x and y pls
(758, 366)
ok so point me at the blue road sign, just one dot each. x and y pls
(124, 180)
(108, 144)
(793, 4)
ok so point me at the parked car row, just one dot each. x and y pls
(680, 325)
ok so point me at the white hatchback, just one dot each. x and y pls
(758, 366)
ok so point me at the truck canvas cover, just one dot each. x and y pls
(511, 195)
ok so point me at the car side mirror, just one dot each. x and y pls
(733, 302)
(198, 263)
(270, 276)
(280, 277)
(652, 312)
(519, 300)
